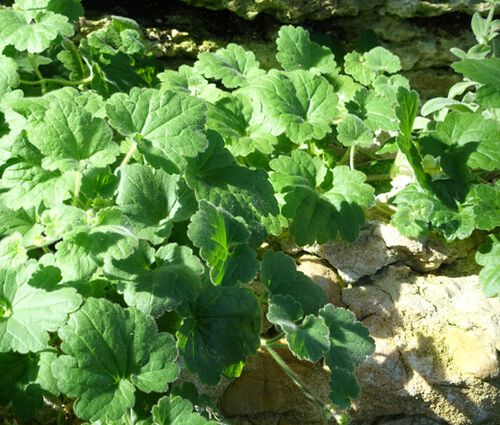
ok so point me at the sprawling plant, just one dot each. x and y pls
(140, 209)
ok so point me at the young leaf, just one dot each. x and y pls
(173, 123)
(308, 340)
(12, 251)
(223, 242)
(34, 36)
(220, 329)
(153, 200)
(296, 103)
(280, 277)
(382, 60)
(352, 132)
(108, 352)
(31, 305)
(177, 411)
(349, 346)
(188, 81)
(233, 65)
(155, 283)
(297, 51)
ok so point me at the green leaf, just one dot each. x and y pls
(72, 60)
(382, 60)
(296, 103)
(350, 344)
(80, 254)
(308, 340)
(157, 282)
(488, 256)
(461, 128)
(21, 221)
(297, 51)
(483, 71)
(407, 110)
(220, 329)
(9, 78)
(31, 306)
(223, 242)
(69, 8)
(12, 251)
(280, 277)
(353, 132)
(230, 117)
(34, 36)
(355, 66)
(365, 68)
(108, 352)
(484, 200)
(177, 411)
(318, 214)
(173, 123)
(439, 103)
(216, 177)
(188, 81)
(233, 65)
(153, 200)
(24, 380)
(77, 141)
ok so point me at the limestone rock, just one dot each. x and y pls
(437, 348)
(265, 395)
(380, 245)
(323, 275)
(299, 10)
(436, 360)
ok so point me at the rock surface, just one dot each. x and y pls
(299, 10)
(436, 361)
(380, 245)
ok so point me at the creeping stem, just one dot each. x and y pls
(328, 407)
(34, 65)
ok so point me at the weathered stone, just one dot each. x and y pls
(265, 395)
(437, 348)
(324, 276)
(380, 244)
(299, 10)
(436, 360)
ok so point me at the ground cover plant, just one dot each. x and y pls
(142, 209)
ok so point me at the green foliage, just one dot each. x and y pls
(140, 208)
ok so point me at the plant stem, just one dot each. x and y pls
(43, 81)
(277, 338)
(378, 177)
(78, 186)
(37, 72)
(130, 154)
(332, 411)
(344, 158)
(383, 208)
(352, 154)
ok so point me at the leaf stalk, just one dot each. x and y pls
(326, 407)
